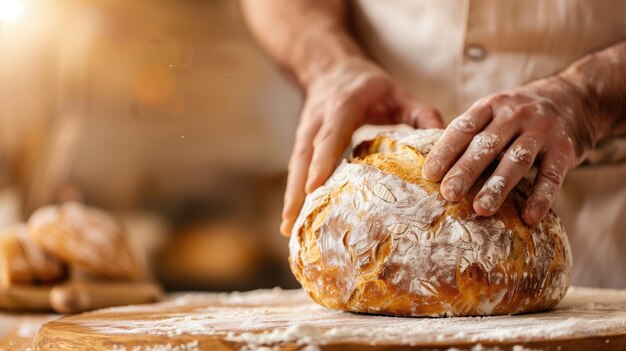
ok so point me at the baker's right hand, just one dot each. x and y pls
(338, 101)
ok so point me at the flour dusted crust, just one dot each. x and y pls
(85, 238)
(378, 238)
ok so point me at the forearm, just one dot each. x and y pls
(600, 78)
(305, 36)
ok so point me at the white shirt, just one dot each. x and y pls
(450, 53)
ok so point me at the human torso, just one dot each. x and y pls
(450, 53)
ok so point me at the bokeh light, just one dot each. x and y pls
(11, 10)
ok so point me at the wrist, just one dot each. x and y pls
(581, 121)
(600, 80)
(318, 51)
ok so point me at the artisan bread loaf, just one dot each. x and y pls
(88, 239)
(378, 238)
(22, 262)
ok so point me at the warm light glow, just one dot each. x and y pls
(11, 10)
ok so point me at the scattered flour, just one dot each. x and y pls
(464, 124)
(190, 346)
(479, 347)
(421, 140)
(371, 206)
(255, 321)
(519, 154)
(522, 348)
(483, 144)
(303, 334)
(495, 184)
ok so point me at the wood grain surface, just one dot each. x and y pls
(287, 320)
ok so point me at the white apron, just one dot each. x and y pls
(450, 53)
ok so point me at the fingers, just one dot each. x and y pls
(559, 158)
(417, 114)
(482, 150)
(298, 169)
(319, 146)
(330, 143)
(454, 141)
(514, 165)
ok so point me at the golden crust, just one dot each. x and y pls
(87, 239)
(378, 238)
(24, 263)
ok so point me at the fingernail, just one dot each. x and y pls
(486, 202)
(533, 214)
(309, 187)
(309, 184)
(285, 228)
(452, 188)
(285, 213)
(431, 169)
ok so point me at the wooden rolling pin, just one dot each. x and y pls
(25, 298)
(77, 296)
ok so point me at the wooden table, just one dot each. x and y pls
(587, 319)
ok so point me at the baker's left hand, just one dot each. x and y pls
(545, 122)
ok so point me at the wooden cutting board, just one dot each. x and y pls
(287, 320)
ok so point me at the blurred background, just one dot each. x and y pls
(162, 112)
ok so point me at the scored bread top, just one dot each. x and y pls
(22, 262)
(86, 238)
(379, 238)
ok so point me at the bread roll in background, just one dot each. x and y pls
(378, 238)
(85, 238)
(22, 262)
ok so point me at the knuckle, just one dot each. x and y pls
(520, 156)
(375, 79)
(495, 185)
(541, 109)
(541, 201)
(542, 126)
(566, 146)
(542, 196)
(462, 170)
(311, 110)
(551, 123)
(485, 144)
(442, 152)
(300, 151)
(465, 124)
(552, 177)
(498, 99)
(339, 101)
(494, 99)
(523, 111)
(506, 113)
(324, 134)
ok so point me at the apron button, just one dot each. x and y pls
(475, 52)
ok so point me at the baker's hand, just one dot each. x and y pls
(544, 121)
(348, 95)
